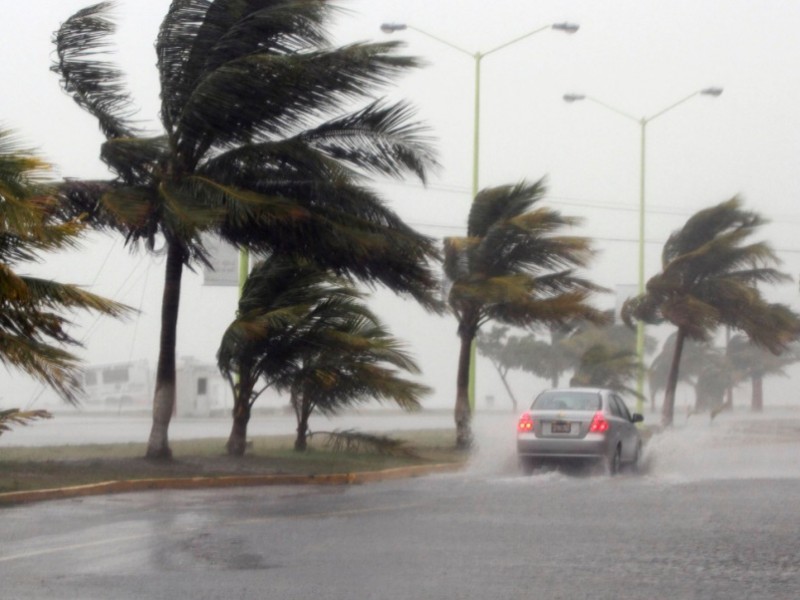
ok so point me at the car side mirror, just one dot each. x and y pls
(637, 418)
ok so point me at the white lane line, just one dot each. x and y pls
(56, 549)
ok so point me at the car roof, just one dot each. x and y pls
(594, 390)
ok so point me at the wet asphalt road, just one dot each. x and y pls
(486, 533)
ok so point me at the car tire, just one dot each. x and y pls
(614, 460)
(527, 465)
(633, 467)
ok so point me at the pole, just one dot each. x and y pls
(640, 324)
(476, 139)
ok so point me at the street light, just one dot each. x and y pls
(565, 27)
(642, 121)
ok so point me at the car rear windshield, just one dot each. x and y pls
(567, 401)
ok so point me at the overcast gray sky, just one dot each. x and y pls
(639, 56)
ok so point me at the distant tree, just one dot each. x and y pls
(709, 278)
(268, 134)
(305, 331)
(694, 356)
(607, 367)
(513, 268)
(754, 363)
(34, 324)
(502, 353)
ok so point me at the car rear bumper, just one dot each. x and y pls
(588, 447)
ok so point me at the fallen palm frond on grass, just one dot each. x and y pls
(356, 442)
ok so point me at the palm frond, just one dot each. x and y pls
(95, 84)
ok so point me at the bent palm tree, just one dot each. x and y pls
(302, 330)
(33, 328)
(709, 278)
(246, 151)
(512, 268)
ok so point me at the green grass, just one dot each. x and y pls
(27, 468)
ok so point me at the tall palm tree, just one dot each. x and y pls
(512, 267)
(709, 278)
(260, 145)
(34, 326)
(303, 330)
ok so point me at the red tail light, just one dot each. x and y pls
(525, 424)
(599, 423)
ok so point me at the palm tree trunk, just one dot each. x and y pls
(668, 411)
(757, 402)
(237, 440)
(463, 414)
(164, 397)
(302, 409)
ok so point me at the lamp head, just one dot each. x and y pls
(574, 97)
(712, 91)
(566, 27)
(392, 27)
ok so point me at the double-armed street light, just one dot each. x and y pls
(643, 122)
(477, 57)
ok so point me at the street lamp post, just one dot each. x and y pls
(643, 122)
(477, 57)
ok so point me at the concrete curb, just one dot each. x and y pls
(190, 483)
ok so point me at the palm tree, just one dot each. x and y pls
(257, 146)
(33, 325)
(303, 330)
(709, 278)
(361, 361)
(276, 319)
(512, 268)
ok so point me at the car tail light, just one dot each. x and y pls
(599, 423)
(525, 423)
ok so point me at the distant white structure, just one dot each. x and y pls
(224, 259)
(129, 387)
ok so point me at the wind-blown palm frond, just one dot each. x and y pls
(14, 416)
(33, 327)
(96, 85)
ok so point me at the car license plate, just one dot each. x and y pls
(560, 427)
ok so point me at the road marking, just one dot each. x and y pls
(331, 513)
(129, 538)
(56, 549)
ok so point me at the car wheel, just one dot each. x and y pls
(637, 456)
(527, 465)
(614, 461)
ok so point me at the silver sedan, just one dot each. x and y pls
(579, 424)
